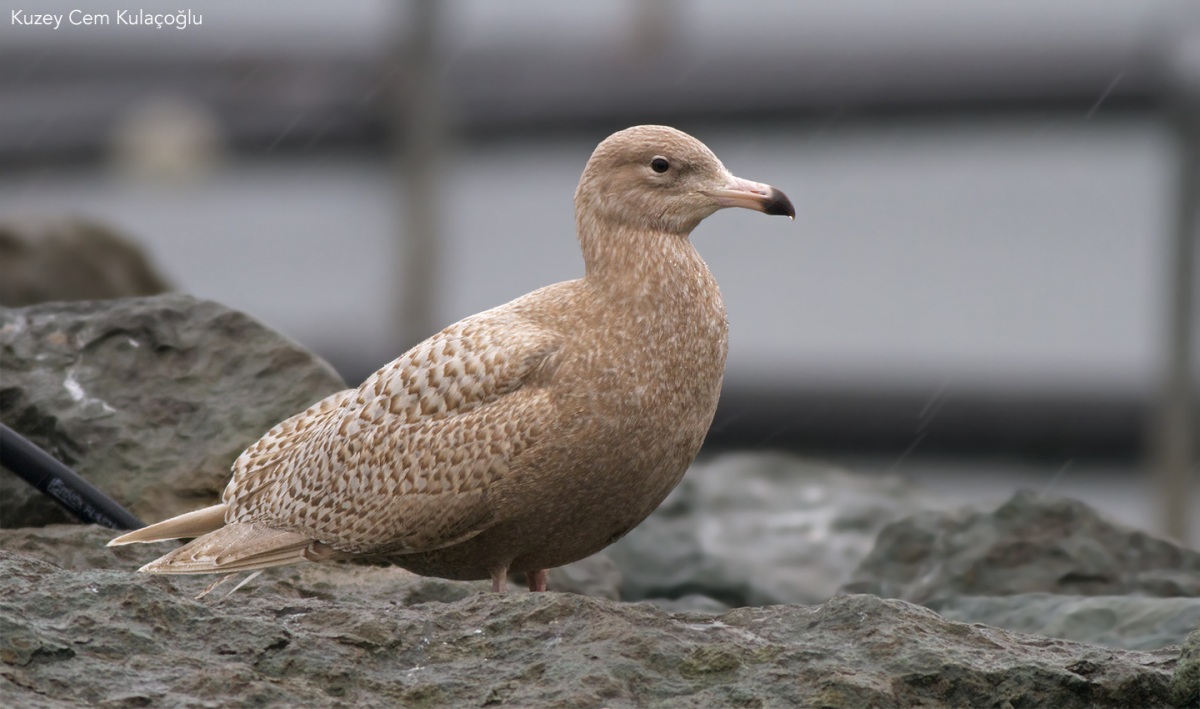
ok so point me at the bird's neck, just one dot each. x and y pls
(639, 261)
(657, 282)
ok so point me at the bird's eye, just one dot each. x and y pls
(659, 165)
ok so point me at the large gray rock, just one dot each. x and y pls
(1030, 544)
(757, 529)
(150, 399)
(111, 638)
(1043, 565)
(1126, 622)
(71, 259)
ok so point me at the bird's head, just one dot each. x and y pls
(661, 179)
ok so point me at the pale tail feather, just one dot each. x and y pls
(191, 524)
(240, 547)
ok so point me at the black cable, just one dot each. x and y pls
(61, 484)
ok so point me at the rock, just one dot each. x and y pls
(71, 259)
(757, 529)
(150, 399)
(1126, 622)
(81, 547)
(111, 638)
(691, 603)
(1030, 544)
(77, 547)
(1043, 565)
(1185, 686)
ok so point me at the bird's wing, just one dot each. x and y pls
(404, 462)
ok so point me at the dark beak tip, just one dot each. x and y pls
(778, 205)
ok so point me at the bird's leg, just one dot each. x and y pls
(499, 579)
(537, 580)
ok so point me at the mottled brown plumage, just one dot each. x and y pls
(522, 438)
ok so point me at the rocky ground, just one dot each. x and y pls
(109, 638)
(764, 580)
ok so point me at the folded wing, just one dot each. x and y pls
(401, 464)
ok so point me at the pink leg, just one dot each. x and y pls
(499, 579)
(537, 580)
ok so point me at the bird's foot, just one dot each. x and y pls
(537, 580)
(499, 579)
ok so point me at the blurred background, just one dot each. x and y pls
(986, 286)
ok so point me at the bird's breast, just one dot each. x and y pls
(643, 378)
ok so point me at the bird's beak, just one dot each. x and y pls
(753, 195)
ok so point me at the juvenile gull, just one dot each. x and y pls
(522, 438)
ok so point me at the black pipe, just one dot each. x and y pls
(61, 484)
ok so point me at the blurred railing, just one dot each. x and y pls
(1175, 424)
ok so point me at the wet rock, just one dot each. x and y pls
(150, 399)
(78, 547)
(82, 547)
(71, 259)
(757, 529)
(1185, 686)
(1030, 544)
(1126, 622)
(111, 638)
